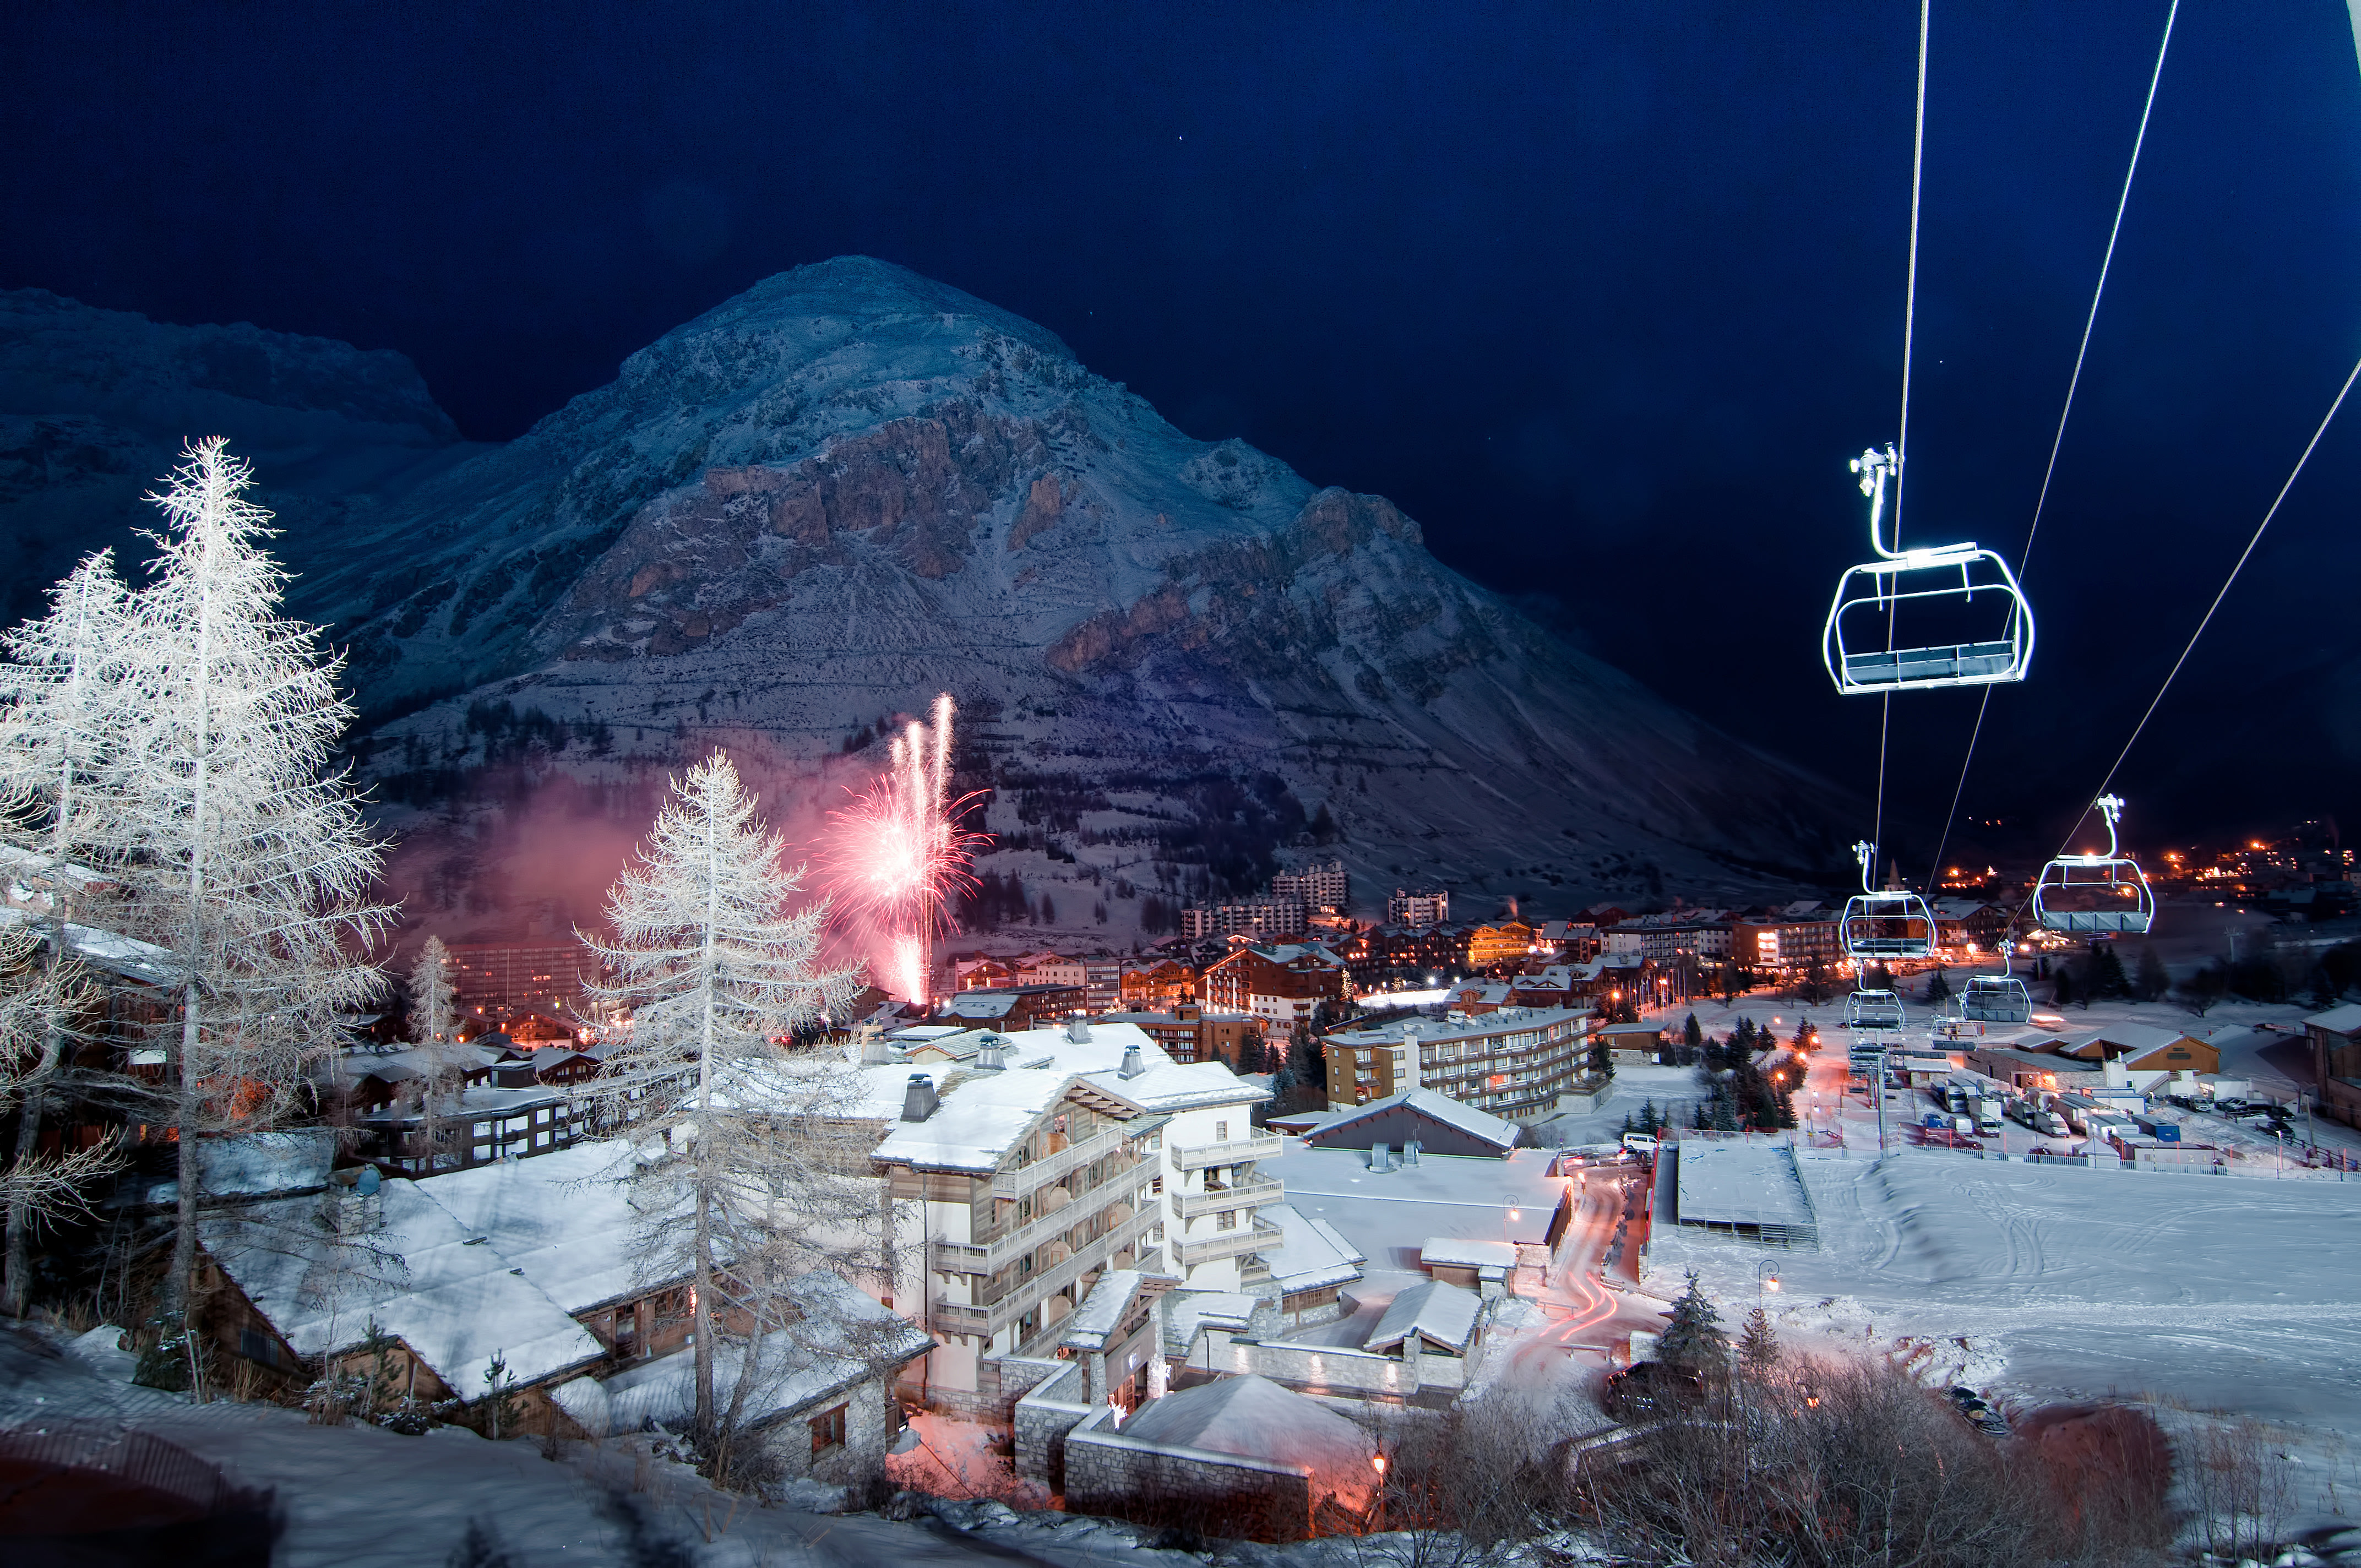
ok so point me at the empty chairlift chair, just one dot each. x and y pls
(1952, 615)
(1888, 923)
(1996, 999)
(1873, 1010)
(2096, 896)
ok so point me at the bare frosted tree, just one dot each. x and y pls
(60, 691)
(716, 976)
(245, 856)
(431, 1026)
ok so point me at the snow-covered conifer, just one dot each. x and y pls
(434, 1029)
(60, 704)
(1694, 1337)
(716, 974)
(245, 857)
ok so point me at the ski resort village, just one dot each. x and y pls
(818, 938)
(1331, 1216)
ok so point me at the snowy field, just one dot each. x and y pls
(2042, 1283)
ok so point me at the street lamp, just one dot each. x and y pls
(1766, 1277)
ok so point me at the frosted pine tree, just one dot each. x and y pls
(716, 975)
(432, 1027)
(61, 706)
(245, 858)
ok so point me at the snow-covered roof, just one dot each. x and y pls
(1495, 1130)
(1254, 1418)
(980, 1004)
(128, 956)
(400, 1260)
(843, 1339)
(976, 1122)
(1735, 1183)
(2344, 1020)
(1507, 1020)
(565, 1217)
(2135, 1039)
(1434, 1309)
(1093, 1323)
(1463, 1252)
(1186, 1313)
(1312, 1255)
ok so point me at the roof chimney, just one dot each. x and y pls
(1132, 1064)
(1408, 1077)
(1078, 1029)
(918, 1101)
(988, 1057)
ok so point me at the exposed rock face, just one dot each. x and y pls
(851, 486)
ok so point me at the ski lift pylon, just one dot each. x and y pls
(1889, 922)
(2096, 896)
(1872, 600)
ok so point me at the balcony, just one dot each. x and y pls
(1028, 1293)
(1238, 1151)
(992, 1255)
(1259, 1193)
(1050, 1167)
(1189, 1251)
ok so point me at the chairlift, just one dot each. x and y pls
(2096, 896)
(1874, 601)
(1890, 922)
(1996, 999)
(1873, 1010)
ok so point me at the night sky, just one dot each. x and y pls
(1604, 296)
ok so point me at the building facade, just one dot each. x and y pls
(1272, 917)
(1315, 886)
(1514, 1063)
(1281, 983)
(1428, 907)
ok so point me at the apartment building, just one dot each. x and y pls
(1049, 1159)
(1187, 1033)
(1245, 917)
(493, 982)
(1317, 886)
(1787, 941)
(1514, 1063)
(1282, 982)
(1413, 955)
(1509, 943)
(1158, 987)
(1432, 907)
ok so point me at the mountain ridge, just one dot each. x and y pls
(850, 486)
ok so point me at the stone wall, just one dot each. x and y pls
(869, 1425)
(1053, 1408)
(1222, 1493)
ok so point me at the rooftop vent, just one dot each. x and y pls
(1078, 1029)
(1410, 1152)
(918, 1101)
(1132, 1064)
(1381, 1158)
(991, 1054)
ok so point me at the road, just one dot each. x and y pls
(1591, 1308)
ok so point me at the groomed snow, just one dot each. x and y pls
(1738, 1183)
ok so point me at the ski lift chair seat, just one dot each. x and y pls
(1873, 1010)
(1887, 925)
(1996, 999)
(1960, 664)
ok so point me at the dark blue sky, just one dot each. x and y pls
(1604, 296)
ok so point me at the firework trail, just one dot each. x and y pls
(897, 854)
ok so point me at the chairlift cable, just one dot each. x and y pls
(1901, 443)
(2227, 584)
(2073, 383)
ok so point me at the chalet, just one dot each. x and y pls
(1509, 943)
(1014, 1007)
(1283, 982)
(1437, 1124)
(1052, 1159)
(1473, 1264)
(2335, 1039)
(1630, 1045)
(1158, 987)
(1189, 1033)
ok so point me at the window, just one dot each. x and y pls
(1221, 1131)
(827, 1430)
(1157, 1186)
(1226, 1221)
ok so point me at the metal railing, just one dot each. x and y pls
(996, 1253)
(1029, 1292)
(1259, 1193)
(1236, 1151)
(1188, 1252)
(1048, 1167)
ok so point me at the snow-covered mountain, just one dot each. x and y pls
(850, 487)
